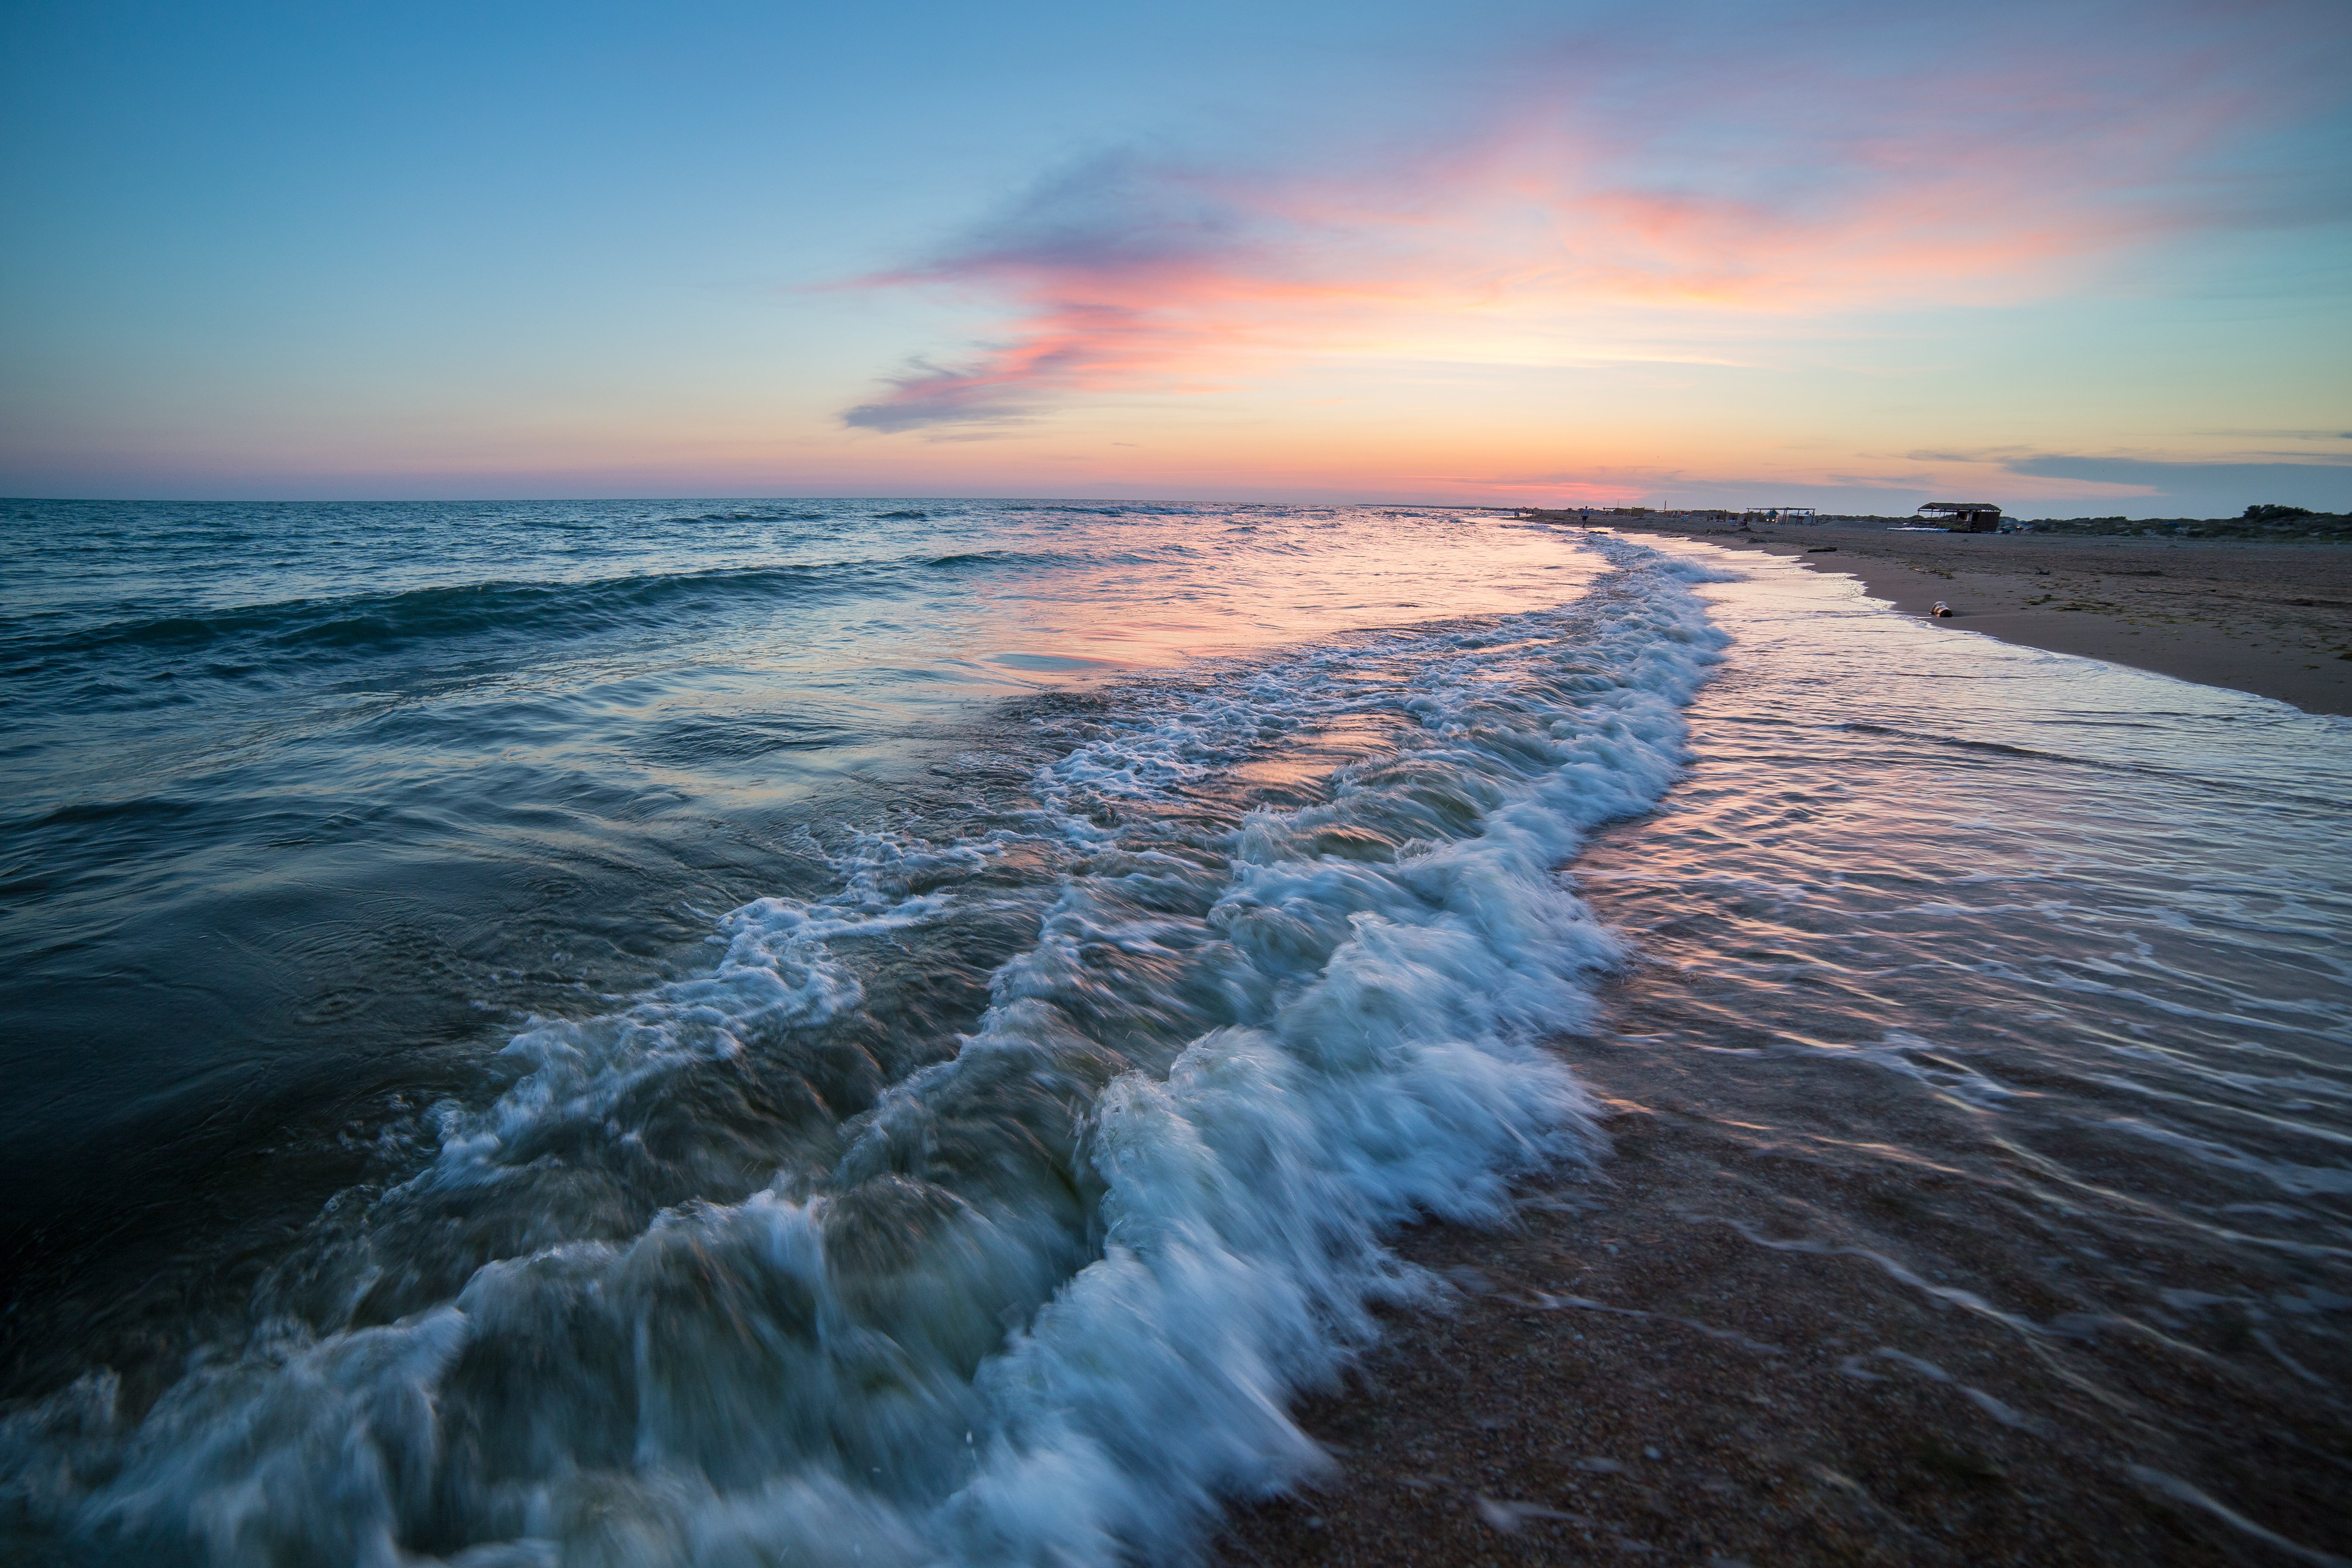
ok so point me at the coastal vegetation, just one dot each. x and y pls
(2261, 521)
(2269, 522)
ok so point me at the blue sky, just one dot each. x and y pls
(2079, 259)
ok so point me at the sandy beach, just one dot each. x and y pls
(1663, 1364)
(2272, 619)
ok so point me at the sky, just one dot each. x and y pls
(2075, 259)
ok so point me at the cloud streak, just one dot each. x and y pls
(1119, 272)
(1606, 198)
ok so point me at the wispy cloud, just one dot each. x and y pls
(1818, 161)
(1109, 267)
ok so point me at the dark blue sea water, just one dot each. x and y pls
(894, 1031)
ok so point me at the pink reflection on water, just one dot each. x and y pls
(1186, 590)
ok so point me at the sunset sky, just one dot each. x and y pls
(2071, 259)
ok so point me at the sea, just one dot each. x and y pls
(900, 1031)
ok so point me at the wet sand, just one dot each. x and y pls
(1639, 1370)
(2272, 619)
(1667, 1362)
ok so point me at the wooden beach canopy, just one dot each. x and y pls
(1965, 515)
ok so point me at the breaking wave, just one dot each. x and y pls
(1285, 935)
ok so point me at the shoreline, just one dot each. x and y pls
(1721, 1344)
(1816, 1303)
(1659, 1363)
(2272, 619)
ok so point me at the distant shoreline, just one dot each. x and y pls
(2270, 618)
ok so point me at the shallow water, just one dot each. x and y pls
(2035, 890)
(799, 1032)
(2019, 982)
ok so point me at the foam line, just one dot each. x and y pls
(1049, 1300)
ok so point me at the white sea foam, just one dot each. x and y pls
(1051, 1299)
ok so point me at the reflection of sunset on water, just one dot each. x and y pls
(1191, 586)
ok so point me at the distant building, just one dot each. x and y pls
(1780, 514)
(1965, 515)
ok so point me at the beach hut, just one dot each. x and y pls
(1965, 515)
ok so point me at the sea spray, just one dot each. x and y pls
(1048, 1300)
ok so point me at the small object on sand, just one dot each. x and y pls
(1941, 610)
(1820, 549)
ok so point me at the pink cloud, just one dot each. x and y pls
(1837, 166)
